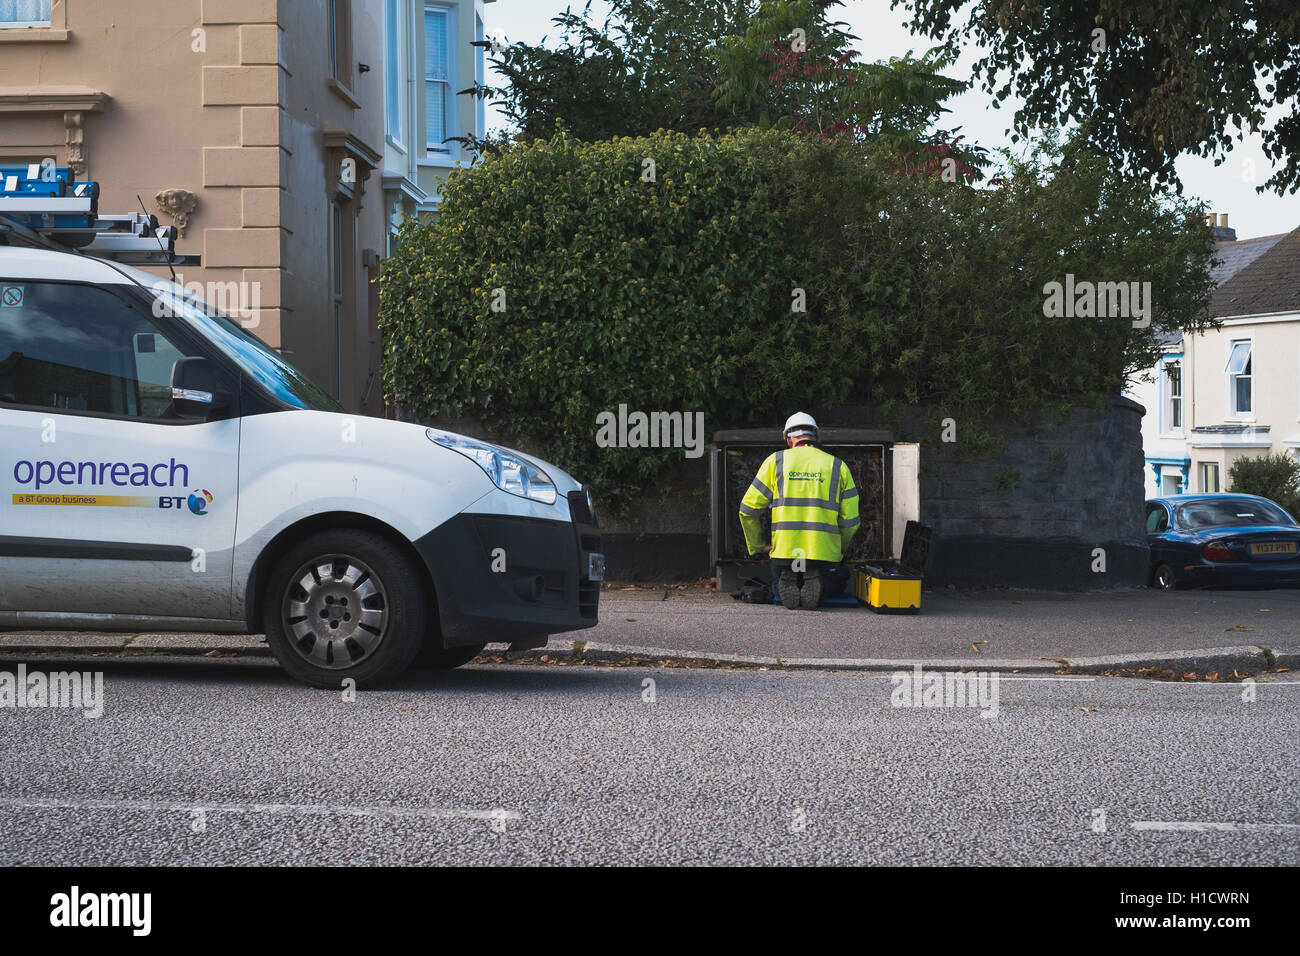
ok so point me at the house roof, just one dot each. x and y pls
(1268, 283)
(1170, 339)
(1235, 256)
(1230, 258)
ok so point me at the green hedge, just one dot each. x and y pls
(677, 294)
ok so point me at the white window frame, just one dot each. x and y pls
(1233, 411)
(1167, 397)
(480, 77)
(396, 72)
(1203, 477)
(440, 150)
(45, 24)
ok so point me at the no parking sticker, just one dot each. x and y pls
(11, 296)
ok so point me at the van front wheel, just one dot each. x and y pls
(344, 605)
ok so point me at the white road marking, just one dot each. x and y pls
(498, 815)
(1198, 826)
(1084, 680)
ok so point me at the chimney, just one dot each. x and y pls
(1221, 232)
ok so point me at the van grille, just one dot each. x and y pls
(588, 597)
(578, 509)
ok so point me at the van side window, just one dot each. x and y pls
(76, 348)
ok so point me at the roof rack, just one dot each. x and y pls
(43, 206)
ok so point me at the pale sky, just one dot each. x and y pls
(1228, 188)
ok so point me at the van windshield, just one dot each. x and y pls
(249, 352)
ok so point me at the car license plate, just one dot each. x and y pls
(1273, 547)
(595, 567)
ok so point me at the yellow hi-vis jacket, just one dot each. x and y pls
(814, 505)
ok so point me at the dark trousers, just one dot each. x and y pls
(835, 577)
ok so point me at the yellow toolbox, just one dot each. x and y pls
(895, 587)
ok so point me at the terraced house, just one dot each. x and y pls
(1233, 392)
(286, 139)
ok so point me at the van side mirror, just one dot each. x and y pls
(194, 388)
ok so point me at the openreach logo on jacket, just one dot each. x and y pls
(79, 484)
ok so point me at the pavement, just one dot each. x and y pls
(1010, 630)
(523, 764)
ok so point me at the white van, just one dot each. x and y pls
(163, 469)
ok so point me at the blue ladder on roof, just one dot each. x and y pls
(47, 197)
(50, 207)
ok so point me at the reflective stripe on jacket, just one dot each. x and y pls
(814, 505)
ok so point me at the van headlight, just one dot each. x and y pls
(508, 472)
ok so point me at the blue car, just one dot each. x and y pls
(1222, 540)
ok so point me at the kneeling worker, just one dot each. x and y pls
(814, 506)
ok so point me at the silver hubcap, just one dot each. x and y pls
(335, 612)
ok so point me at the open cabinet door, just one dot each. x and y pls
(906, 505)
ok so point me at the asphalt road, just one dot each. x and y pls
(525, 764)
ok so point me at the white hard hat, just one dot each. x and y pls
(800, 422)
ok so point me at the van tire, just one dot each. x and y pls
(374, 591)
(446, 658)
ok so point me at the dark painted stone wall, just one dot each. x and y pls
(1032, 513)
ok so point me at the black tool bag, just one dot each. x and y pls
(754, 591)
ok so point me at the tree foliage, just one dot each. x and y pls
(648, 66)
(560, 280)
(688, 65)
(793, 69)
(1147, 80)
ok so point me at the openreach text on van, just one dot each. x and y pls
(78, 473)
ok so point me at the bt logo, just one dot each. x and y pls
(198, 501)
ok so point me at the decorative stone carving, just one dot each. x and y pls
(348, 164)
(76, 138)
(179, 204)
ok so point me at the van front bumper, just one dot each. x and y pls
(502, 577)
